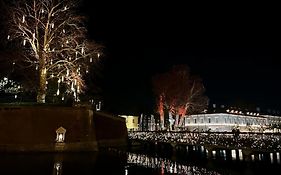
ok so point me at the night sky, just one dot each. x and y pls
(228, 45)
(229, 48)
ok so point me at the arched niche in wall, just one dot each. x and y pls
(60, 135)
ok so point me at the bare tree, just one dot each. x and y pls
(54, 39)
(179, 92)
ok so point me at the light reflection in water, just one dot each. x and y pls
(271, 157)
(278, 157)
(253, 157)
(233, 154)
(214, 154)
(240, 154)
(166, 165)
(126, 170)
(194, 148)
(260, 156)
(223, 152)
(57, 170)
(202, 148)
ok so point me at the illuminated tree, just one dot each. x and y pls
(54, 39)
(9, 86)
(179, 93)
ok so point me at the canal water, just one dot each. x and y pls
(191, 161)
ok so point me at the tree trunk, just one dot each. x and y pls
(162, 121)
(42, 88)
(181, 122)
(177, 121)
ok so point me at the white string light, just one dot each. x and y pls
(56, 47)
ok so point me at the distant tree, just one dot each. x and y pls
(20, 72)
(9, 86)
(53, 38)
(179, 93)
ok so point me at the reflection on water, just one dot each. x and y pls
(117, 162)
(57, 168)
(166, 165)
(58, 159)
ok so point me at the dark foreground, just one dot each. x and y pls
(133, 162)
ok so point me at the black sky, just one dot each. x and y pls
(229, 45)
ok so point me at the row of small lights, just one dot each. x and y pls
(260, 142)
(14, 86)
(240, 112)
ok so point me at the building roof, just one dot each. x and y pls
(61, 130)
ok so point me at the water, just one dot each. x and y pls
(191, 160)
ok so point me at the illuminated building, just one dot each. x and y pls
(131, 122)
(228, 121)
